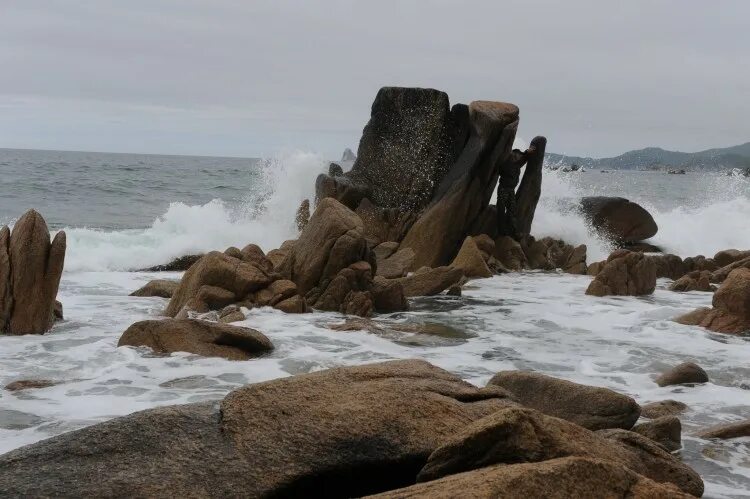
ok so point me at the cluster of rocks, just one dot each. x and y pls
(731, 306)
(30, 271)
(397, 428)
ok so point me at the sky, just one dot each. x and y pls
(255, 78)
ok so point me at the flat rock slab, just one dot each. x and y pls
(210, 339)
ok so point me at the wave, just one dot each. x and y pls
(265, 217)
(714, 217)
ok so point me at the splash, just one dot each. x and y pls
(265, 217)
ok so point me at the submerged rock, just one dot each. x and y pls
(588, 406)
(727, 431)
(343, 432)
(209, 339)
(27, 384)
(685, 373)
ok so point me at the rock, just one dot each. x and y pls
(303, 214)
(699, 262)
(406, 147)
(348, 155)
(341, 188)
(588, 406)
(582, 478)
(397, 264)
(431, 281)
(30, 271)
(27, 384)
(619, 219)
(254, 255)
(685, 373)
(576, 261)
(530, 188)
(694, 281)
(728, 257)
(335, 170)
(727, 431)
(721, 274)
(454, 290)
(509, 253)
(178, 264)
(515, 435)
(536, 254)
(384, 250)
(470, 261)
(662, 408)
(665, 431)
(202, 283)
(465, 191)
(384, 224)
(343, 432)
(57, 311)
(236, 316)
(641, 246)
(485, 244)
(277, 256)
(294, 305)
(594, 268)
(332, 240)
(731, 306)
(204, 338)
(276, 292)
(348, 292)
(162, 288)
(388, 295)
(233, 252)
(669, 266)
(624, 274)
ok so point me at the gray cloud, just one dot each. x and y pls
(251, 78)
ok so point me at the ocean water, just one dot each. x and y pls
(126, 212)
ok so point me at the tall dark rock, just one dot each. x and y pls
(530, 189)
(465, 191)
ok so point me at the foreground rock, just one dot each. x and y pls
(208, 339)
(343, 432)
(588, 406)
(162, 288)
(685, 373)
(619, 219)
(30, 271)
(517, 434)
(582, 478)
(625, 274)
(731, 306)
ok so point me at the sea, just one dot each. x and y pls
(125, 212)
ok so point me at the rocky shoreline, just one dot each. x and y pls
(412, 218)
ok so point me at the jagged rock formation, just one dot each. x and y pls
(30, 272)
(425, 172)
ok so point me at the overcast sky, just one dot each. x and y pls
(252, 78)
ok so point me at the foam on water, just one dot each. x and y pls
(265, 217)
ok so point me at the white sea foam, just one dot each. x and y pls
(265, 217)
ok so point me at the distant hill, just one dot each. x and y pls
(655, 158)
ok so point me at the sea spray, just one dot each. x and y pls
(265, 216)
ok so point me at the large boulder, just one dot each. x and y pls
(579, 477)
(214, 281)
(30, 272)
(406, 148)
(209, 339)
(342, 432)
(517, 435)
(465, 191)
(625, 274)
(731, 306)
(592, 407)
(619, 219)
